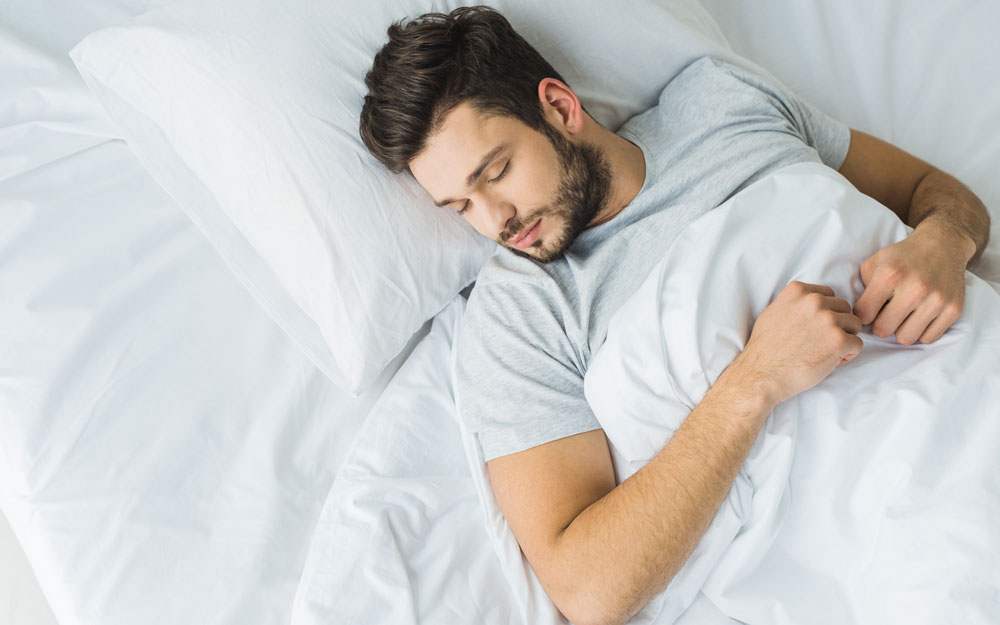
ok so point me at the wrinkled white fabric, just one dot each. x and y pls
(165, 448)
(401, 538)
(873, 497)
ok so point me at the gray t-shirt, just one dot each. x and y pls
(530, 328)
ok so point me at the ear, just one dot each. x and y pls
(560, 105)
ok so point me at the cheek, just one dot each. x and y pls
(481, 229)
(534, 187)
(480, 224)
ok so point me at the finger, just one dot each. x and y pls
(846, 359)
(867, 268)
(917, 323)
(837, 304)
(849, 323)
(849, 357)
(872, 300)
(852, 347)
(818, 288)
(939, 325)
(891, 317)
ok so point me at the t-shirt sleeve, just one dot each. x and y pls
(830, 137)
(518, 378)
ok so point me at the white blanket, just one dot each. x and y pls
(873, 497)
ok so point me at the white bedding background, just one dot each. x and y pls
(401, 538)
(129, 325)
(165, 449)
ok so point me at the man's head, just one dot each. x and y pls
(488, 128)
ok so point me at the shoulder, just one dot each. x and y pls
(712, 68)
(716, 90)
(711, 77)
(706, 91)
(709, 93)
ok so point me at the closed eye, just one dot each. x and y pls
(502, 173)
(499, 176)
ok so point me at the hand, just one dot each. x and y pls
(922, 278)
(798, 340)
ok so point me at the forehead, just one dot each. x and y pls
(464, 136)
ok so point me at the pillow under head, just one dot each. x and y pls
(247, 112)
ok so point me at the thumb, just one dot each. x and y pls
(856, 345)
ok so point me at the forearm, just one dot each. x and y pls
(629, 544)
(943, 203)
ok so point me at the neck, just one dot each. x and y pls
(628, 171)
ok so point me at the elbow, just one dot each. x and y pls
(587, 607)
(586, 593)
(593, 619)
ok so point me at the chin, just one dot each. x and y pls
(537, 252)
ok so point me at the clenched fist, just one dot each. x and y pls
(798, 340)
(915, 288)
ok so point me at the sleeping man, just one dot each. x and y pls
(582, 214)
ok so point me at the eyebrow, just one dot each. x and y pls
(483, 164)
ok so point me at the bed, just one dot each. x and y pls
(169, 454)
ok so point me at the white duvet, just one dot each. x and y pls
(873, 497)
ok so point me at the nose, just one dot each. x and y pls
(501, 215)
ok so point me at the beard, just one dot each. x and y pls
(582, 193)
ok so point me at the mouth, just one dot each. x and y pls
(527, 237)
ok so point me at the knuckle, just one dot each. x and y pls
(936, 300)
(864, 312)
(953, 310)
(920, 290)
(891, 272)
(844, 341)
(796, 287)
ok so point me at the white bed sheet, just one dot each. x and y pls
(165, 449)
(401, 538)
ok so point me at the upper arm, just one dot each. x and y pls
(883, 171)
(542, 489)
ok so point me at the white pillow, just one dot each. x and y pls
(247, 113)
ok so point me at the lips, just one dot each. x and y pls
(526, 237)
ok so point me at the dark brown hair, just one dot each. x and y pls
(438, 61)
